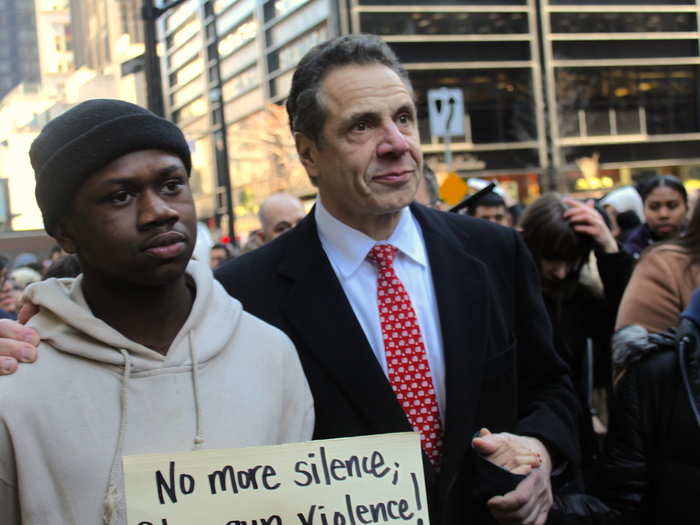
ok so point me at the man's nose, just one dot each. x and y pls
(156, 210)
(393, 142)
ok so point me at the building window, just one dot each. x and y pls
(622, 22)
(443, 23)
(239, 60)
(240, 83)
(304, 19)
(194, 109)
(629, 100)
(183, 33)
(290, 54)
(237, 38)
(277, 8)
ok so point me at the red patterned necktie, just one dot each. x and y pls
(406, 358)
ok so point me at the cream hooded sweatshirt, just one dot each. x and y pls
(94, 396)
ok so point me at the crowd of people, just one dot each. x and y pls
(548, 357)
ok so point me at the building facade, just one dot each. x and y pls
(227, 67)
(82, 49)
(623, 79)
(19, 53)
(545, 83)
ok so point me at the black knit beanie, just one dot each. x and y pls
(85, 139)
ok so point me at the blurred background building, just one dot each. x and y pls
(545, 83)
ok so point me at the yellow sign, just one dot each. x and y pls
(594, 183)
(348, 481)
(453, 189)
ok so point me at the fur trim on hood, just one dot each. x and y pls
(632, 343)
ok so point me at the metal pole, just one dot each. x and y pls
(154, 87)
(150, 14)
(154, 92)
(216, 98)
(448, 134)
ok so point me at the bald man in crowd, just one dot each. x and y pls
(278, 213)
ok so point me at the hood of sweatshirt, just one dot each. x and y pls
(66, 323)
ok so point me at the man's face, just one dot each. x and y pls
(368, 161)
(665, 212)
(134, 220)
(217, 256)
(281, 216)
(8, 295)
(497, 214)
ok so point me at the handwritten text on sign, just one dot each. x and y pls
(349, 481)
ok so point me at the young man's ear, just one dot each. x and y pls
(306, 148)
(64, 238)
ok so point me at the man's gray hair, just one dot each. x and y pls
(304, 106)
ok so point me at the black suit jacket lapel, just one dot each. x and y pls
(462, 292)
(318, 311)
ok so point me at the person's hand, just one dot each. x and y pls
(585, 219)
(17, 342)
(507, 451)
(531, 500)
(528, 504)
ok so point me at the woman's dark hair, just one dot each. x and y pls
(658, 181)
(549, 235)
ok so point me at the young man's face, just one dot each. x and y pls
(497, 214)
(217, 257)
(134, 220)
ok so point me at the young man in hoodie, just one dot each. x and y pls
(142, 353)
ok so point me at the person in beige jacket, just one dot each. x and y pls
(663, 281)
(142, 353)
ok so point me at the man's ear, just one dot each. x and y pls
(306, 149)
(64, 238)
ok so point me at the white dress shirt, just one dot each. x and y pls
(347, 251)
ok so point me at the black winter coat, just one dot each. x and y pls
(650, 468)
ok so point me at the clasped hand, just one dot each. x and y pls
(531, 500)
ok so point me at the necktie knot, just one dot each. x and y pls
(382, 255)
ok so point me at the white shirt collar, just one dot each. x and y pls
(347, 247)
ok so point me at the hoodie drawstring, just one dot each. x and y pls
(112, 497)
(199, 433)
(111, 503)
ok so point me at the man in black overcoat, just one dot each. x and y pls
(353, 117)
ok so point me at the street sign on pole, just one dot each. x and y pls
(446, 112)
(446, 115)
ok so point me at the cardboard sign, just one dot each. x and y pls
(348, 481)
